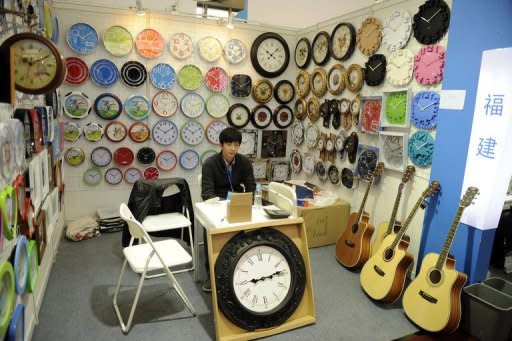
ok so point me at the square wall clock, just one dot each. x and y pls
(249, 145)
(273, 143)
(260, 169)
(393, 149)
(367, 158)
(370, 114)
(279, 170)
(396, 109)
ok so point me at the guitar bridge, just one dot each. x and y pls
(349, 244)
(378, 271)
(428, 297)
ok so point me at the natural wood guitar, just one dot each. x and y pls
(432, 300)
(383, 275)
(388, 227)
(353, 246)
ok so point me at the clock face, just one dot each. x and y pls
(137, 107)
(320, 170)
(392, 149)
(319, 82)
(425, 109)
(123, 156)
(321, 48)
(213, 130)
(192, 105)
(77, 71)
(297, 133)
(82, 38)
(296, 161)
(429, 65)
(260, 169)
(146, 155)
(72, 131)
(333, 173)
(336, 79)
(151, 173)
(273, 143)
(235, 51)
(313, 109)
(421, 148)
(149, 43)
(369, 36)
(280, 170)
(162, 76)
(396, 109)
(397, 30)
(164, 132)
(101, 156)
(181, 45)
(303, 53)
(354, 78)
(308, 164)
(116, 131)
(210, 49)
(431, 21)
(367, 162)
(217, 105)
(164, 103)
(238, 115)
(74, 156)
(284, 92)
(300, 109)
(166, 160)
(76, 105)
(93, 131)
(370, 115)
(139, 132)
(92, 176)
(262, 91)
(343, 41)
(216, 79)
(104, 73)
(283, 116)
(190, 77)
(118, 41)
(344, 105)
(192, 133)
(241, 85)
(113, 176)
(132, 175)
(270, 54)
(108, 106)
(189, 159)
(347, 178)
(375, 71)
(261, 116)
(399, 67)
(312, 135)
(133, 73)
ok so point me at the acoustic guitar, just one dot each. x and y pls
(388, 227)
(432, 300)
(353, 246)
(383, 275)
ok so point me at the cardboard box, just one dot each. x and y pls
(239, 208)
(325, 224)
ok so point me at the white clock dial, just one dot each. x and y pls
(297, 133)
(192, 105)
(92, 176)
(166, 160)
(320, 144)
(113, 176)
(132, 175)
(213, 131)
(329, 145)
(192, 133)
(312, 135)
(280, 172)
(399, 67)
(249, 143)
(189, 159)
(397, 30)
(164, 132)
(101, 156)
(308, 164)
(235, 51)
(271, 55)
(165, 103)
(338, 143)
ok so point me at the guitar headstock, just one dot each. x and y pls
(434, 187)
(467, 199)
(378, 170)
(409, 171)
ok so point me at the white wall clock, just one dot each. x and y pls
(192, 133)
(308, 164)
(164, 103)
(249, 145)
(101, 156)
(397, 30)
(181, 45)
(189, 159)
(92, 176)
(132, 174)
(210, 49)
(217, 105)
(166, 160)
(213, 130)
(235, 51)
(399, 67)
(113, 176)
(164, 132)
(297, 133)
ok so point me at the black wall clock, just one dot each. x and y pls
(260, 278)
(321, 48)
(343, 41)
(375, 70)
(270, 54)
(273, 143)
(431, 21)
(303, 53)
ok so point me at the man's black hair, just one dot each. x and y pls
(230, 135)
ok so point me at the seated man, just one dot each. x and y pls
(225, 172)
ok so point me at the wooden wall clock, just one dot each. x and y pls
(369, 36)
(273, 143)
(40, 233)
(270, 54)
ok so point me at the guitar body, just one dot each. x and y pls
(381, 234)
(432, 300)
(383, 275)
(353, 246)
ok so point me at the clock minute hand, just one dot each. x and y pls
(433, 15)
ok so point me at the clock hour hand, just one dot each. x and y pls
(262, 278)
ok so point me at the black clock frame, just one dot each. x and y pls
(375, 77)
(308, 58)
(351, 47)
(254, 54)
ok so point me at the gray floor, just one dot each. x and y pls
(78, 302)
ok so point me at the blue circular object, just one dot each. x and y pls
(17, 325)
(82, 38)
(425, 108)
(108, 106)
(104, 73)
(21, 265)
(162, 76)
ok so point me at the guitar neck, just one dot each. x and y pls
(395, 209)
(361, 209)
(407, 221)
(449, 239)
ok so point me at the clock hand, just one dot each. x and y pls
(431, 104)
(432, 17)
(40, 59)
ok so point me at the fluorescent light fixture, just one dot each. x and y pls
(231, 18)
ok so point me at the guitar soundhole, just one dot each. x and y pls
(435, 276)
(355, 227)
(388, 254)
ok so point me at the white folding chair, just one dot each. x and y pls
(149, 256)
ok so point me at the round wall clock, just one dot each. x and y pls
(35, 56)
(366, 163)
(108, 106)
(429, 65)
(284, 92)
(369, 36)
(151, 173)
(101, 156)
(192, 133)
(190, 77)
(302, 83)
(296, 161)
(270, 54)
(375, 70)
(234, 51)
(238, 115)
(118, 41)
(113, 176)
(137, 107)
(216, 79)
(104, 73)
(166, 160)
(93, 131)
(74, 156)
(9, 209)
(149, 43)
(262, 91)
(207, 154)
(123, 156)
(92, 176)
(164, 103)
(283, 116)
(355, 78)
(343, 41)
(425, 108)
(243, 283)
(213, 130)
(6, 146)
(336, 79)
(82, 38)
(261, 116)
(308, 164)
(192, 105)
(297, 133)
(77, 71)
(321, 48)
(312, 135)
(396, 108)
(217, 105)
(210, 49)
(431, 22)
(370, 115)
(146, 155)
(139, 132)
(319, 82)
(241, 85)
(116, 131)
(348, 178)
(133, 73)
(333, 173)
(397, 30)
(313, 109)
(162, 76)
(303, 53)
(399, 67)
(132, 174)
(421, 148)
(165, 132)
(300, 109)
(189, 159)
(72, 131)
(76, 104)
(181, 46)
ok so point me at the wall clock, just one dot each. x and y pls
(213, 130)
(192, 105)
(393, 149)
(303, 53)
(137, 107)
(151, 173)
(348, 179)
(189, 159)
(166, 160)
(333, 174)
(72, 131)
(38, 65)
(425, 108)
(369, 36)
(284, 92)
(234, 51)
(238, 115)
(300, 109)
(6, 145)
(133, 73)
(429, 65)
(181, 45)
(101, 156)
(313, 109)
(162, 76)
(297, 133)
(210, 49)
(9, 207)
(209, 153)
(308, 164)
(397, 30)
(339, 142)
(149, 43)
(192, 133)
(296, 161)
(270, 54)
(146, 155)
(113, 176)
(366, 162)
(217, 105)
(283, 116)
(123, 156)
(302, 83)
(431, 22)
(104, 73)
(399, 67)
(355, 109)
(396, 109)
(279, 170)
(343, 41)
(132, 174)
(311, 135)
(164, 103)
(92, 176)
(249, 145)
(118, 41)
(321, 48)
(116, 131)
(82, 38)
(261, 116)
(18, 153)
(320, 170)
(74, 156)
(260, 168)
(242, 295)
(139, 132)
(370, 114)
(355, 78)
(76, 104)
(77, 71)
(241, 85)
(164, 132)
(319, 82)
(375, 70)
(216, 79)
(350, 146)
(190, 77)
(108, 106)
(262, 91)
(93, 131)
(421, 148)
(336, 79)
(273, 143)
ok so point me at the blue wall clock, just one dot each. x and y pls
(163, 76)
(425, 108)
(137, 107)
(82, 38)
(108, 106)
(104, 73)
(421, 148)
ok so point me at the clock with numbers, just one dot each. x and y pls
(429, 65)
(397, 30)
(92, 176)
(425, 108)
(270, 54)
(189, 159)
(113, 176)
(213, 130)
(238, 115)
(370, 114)
(101, 156)
(132, 174)
(399, 67)
(166, 160)
(192, 133)
(164, 103)
(164, 132)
